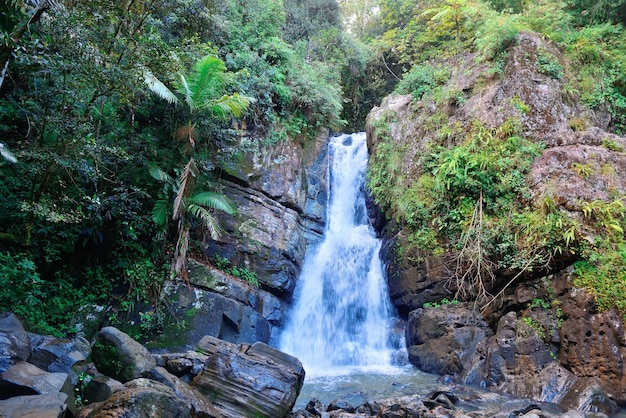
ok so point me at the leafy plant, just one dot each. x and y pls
(202, 92)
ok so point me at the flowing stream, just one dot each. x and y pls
(341, 323)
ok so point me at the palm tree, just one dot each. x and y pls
(202, 93)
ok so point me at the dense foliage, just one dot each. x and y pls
(88, 148)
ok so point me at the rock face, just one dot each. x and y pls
(542, 338)
(280, 193)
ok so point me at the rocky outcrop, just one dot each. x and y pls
(541, 336)
(518, 359)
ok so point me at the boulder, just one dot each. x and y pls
(445, 340)
(588, 396)
(248, 380)
(140, 398)
(14, 341)
(119, 356)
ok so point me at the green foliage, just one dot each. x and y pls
(602, 273)
(549, 65)
(243, 273)
(421, 80)
(82, 382)
(444, 301)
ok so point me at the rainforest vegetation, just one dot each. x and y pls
(117, 120)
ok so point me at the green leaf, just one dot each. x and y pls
(160, 212)
(214, 201)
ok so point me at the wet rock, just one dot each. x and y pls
(587, 395)
(592, 343)
(248, 380)
(140, 398)
(14, 341)
(119, 356)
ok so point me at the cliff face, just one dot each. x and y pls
(580, 164)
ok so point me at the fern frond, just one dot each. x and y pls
(160, 212)
(207, 218)
(6, 154)
(156, 86)
(214, 201)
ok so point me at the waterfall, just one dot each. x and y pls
(341, 311)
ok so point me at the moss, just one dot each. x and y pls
(107, 360)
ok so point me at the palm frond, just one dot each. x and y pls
(186, 90)
(207, 218)
(6, 154)
(208, 78)
(231, 105)
(184, 184)
(160, 175)
(156, 86)
(214, 201)
(160, 212)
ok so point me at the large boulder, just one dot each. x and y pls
(50, 405)
(249, 380)
(119, 356)
(26, 379)
(140, 398)
(592, 343)
(445, 340)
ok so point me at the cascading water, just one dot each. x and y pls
(341, 313)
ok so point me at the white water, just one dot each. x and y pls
(341, 314)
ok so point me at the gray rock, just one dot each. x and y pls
(26, 379)
(100, 388)
(119, 356)
(56, 354)
(14, 341)
(50, 405)
(587, 395)
(445, 340)
(249, 380)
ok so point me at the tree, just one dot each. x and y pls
(202, 95)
